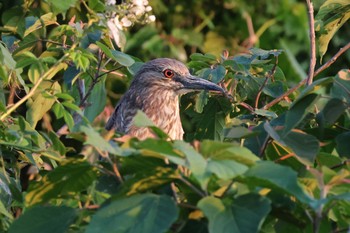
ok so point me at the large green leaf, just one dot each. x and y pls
(277, 177)
(298, 111)
(341, 86)
(331, 112)
(147, 213)
(227, 151)
(41, 219)
(246, 214)
(68, 178)
(195, 161)
(343, 144)
(331, 16)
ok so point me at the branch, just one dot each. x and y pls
(312, 42)
(95, 80)
(268, 76)
(32, 91)
(333, 59)
(317, 72)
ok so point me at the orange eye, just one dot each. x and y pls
(168, 73)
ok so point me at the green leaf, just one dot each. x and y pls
(227, 151)
(298, 111)
(71, 106)
(118, 56)
(195, 162)
(148, 180)
(305, 146)
(278, 177)
(142, 120)
(203, 57)
(68, 118)
(341, 86)
(331, 16)
(45, 20)
(34, 73)
(97, 99)
(217, 74)
(41, 218)
(343, 144)
(147, 213)
(246, 214)
(58, 110)
(56, 143)
(96, 140)
(96, 5)
(8, 61)
(331, 112)
(61, 6)
(40, 104)
(201, 101)
(226, 169)
(265, 113)
(66, 179)
(211, 206)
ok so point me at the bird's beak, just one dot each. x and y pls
(195, 83)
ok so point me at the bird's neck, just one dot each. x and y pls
(162, 107)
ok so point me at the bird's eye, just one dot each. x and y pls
(168, 73)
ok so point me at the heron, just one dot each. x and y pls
(155, 90)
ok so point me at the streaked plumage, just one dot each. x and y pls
(155, 90)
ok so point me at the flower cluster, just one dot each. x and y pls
(124, 15)
(130, 12)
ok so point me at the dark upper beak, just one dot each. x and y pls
(194, 83)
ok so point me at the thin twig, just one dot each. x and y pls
(194, 188)
(312, 42)
(95, 80)
(287, 93)
(268, 76)
(110, 71)
(333, 59)
(32, 91)
(247, 106)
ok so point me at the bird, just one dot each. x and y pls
(155, 90)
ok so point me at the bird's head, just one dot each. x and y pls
(171, 75)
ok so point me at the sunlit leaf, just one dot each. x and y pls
(96, 140)
(71, 177)
(271, 175)
(40, 104)
(331, 16)
(45, 20)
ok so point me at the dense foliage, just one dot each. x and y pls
(272, 158)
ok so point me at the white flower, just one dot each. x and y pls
(117, 23)
(152, 18)
(148, 8)
(138, 2)
(126, 22)
(138, 10)
(111, 2)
